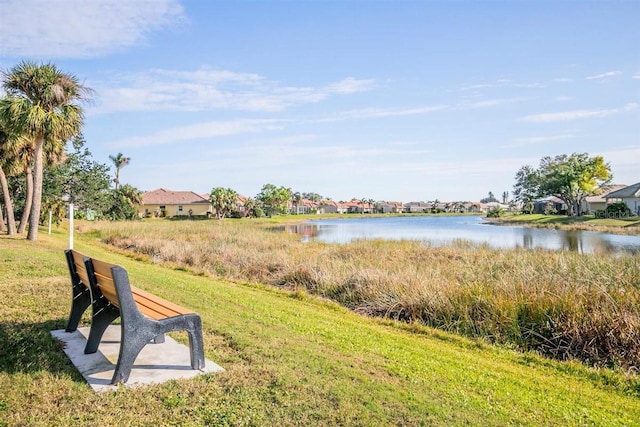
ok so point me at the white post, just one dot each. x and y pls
(50, 214)
(70, 225)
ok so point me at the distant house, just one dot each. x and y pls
(552, 203)
(396, 207)
(168, 203)
(329, 206)
(473, 207)
(628, 195)
(342, 207)
(355, 206)
(385, 207)
(591, 204)
(417, 207)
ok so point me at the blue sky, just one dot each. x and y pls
(390, 100)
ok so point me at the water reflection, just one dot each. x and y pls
(307, 231)
(445, 230)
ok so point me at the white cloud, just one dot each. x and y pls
(81, 28)
(350, 85)
(636, 75)
(543, 139)
(173, 90)
(490, 102)
(197, 131)
(503, 83)
(604, 75)
(577, 114)
(372, 113)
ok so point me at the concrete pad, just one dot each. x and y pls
(155, 364)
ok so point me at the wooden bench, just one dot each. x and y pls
(144, 317)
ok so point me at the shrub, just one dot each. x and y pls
(495, 212)
(618, 209)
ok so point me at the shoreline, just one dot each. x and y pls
(627, 226)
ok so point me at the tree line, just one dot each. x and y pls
(40, 113)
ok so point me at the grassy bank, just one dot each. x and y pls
(291, 359)
(562, 304)
(629, 225)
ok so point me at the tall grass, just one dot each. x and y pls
(563, 305)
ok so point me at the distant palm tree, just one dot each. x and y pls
(370, 203)
(119, 161)
(41, 104)
(23, 159)
(296, 198)
(132, 195)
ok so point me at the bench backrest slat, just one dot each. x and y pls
(104, 279)
(81, 271)
(148, 304)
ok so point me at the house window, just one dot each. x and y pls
(179, 208)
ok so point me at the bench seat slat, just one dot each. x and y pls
(156, 307)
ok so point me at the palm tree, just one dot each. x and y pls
(7, 164)
(119, 161)
(41, 103)
(296, 198)
(505, 197)
(131, 195)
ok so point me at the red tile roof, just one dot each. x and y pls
(162, 196)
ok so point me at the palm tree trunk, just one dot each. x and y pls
(1, 219)
(34, 218)
(28, 201)
(11, 223)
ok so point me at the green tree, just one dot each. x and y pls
(123, 202)
(251, 208)
(274, 199)
(79, 180)
(489, 199)
(314, 197)
(571, 178)
(119, 161)
(434, 206)
(525, 190)
(224, 201)
(41, 103)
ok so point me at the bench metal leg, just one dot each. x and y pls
(99, 324)
(134, 338)
(132, 342)
(81, 301)
(196, 344)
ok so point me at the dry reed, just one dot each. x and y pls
(561, 304)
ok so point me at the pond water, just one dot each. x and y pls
(444, 230)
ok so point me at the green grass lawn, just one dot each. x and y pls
(290, 359)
